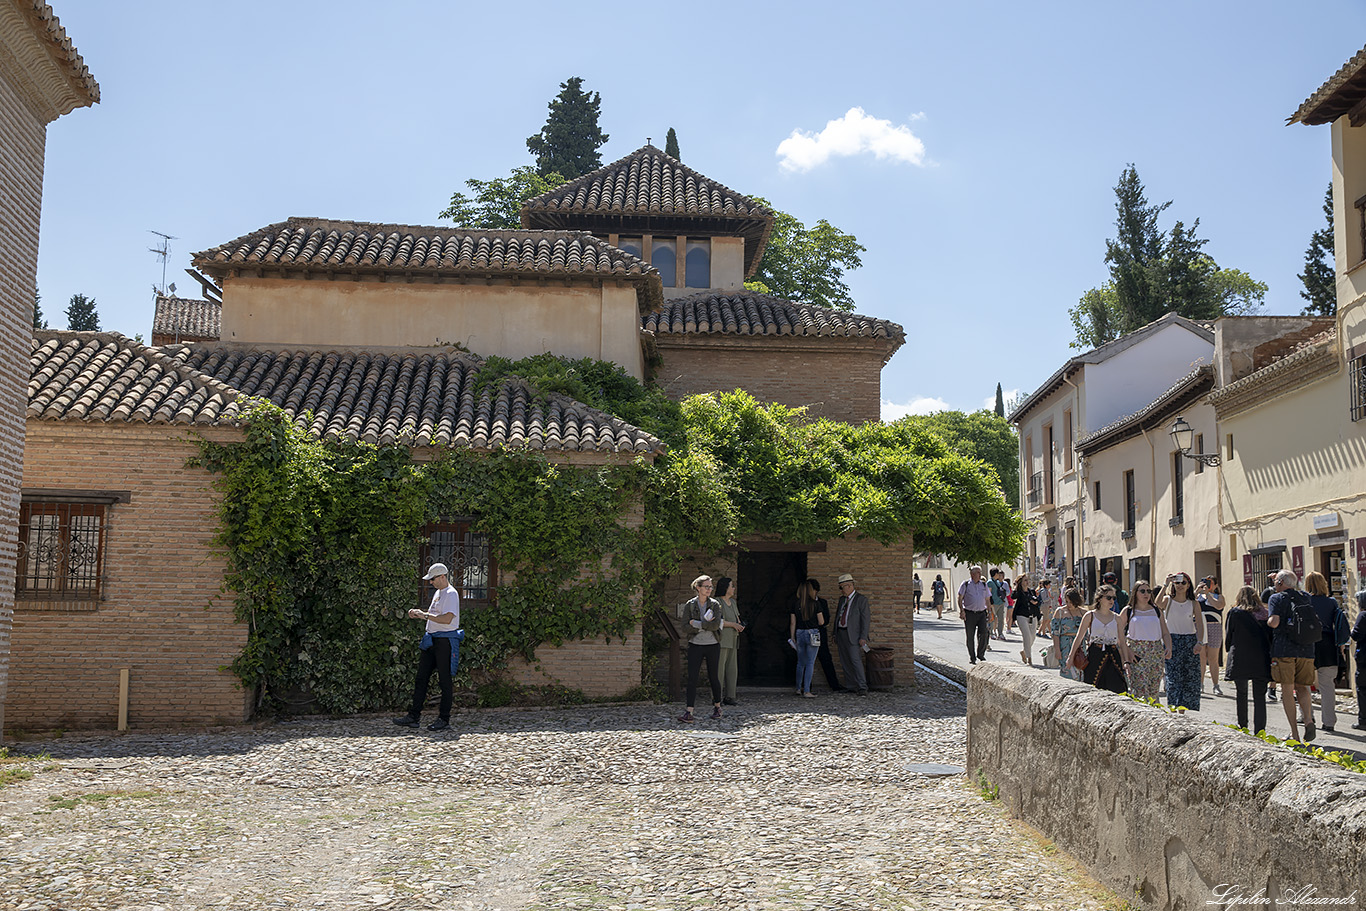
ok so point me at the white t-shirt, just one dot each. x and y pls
(974, 595)
(1181, 618)
(445, 601)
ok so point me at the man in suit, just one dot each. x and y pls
(851, 634)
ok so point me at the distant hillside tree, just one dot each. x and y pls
(671, 145)
(807, 264)
(1320, 283)
(497, 203)
(568, 143)
(38, 321)
(1153, 273)
(81, 315)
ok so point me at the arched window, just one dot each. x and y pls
(629, 245)
(697, 268)
(665, 259)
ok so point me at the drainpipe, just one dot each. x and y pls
(1079, 468)
(1152, 506)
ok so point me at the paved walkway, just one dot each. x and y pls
(784, 804)
(943, 641)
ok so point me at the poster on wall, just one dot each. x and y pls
(1247, 569)
(1361, 558)
(1297, 562)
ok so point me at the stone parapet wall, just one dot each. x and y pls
(1168, 808)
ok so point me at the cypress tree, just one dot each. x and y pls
(1136, 253)
(38, 321)
(671, 145)
(1000, 402)
(1320, 284)
(81, 315)
(568, 143)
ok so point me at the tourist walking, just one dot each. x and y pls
(974, 606)
(1330, 651)
(1212, 606)
(1359, 652)
(727, 593)
(938, 591)
(853, 628)
(804, 623)
(1064, 624)
(1186, 624)
(1103, 667)
(1121, 596)
(1292, 651)
(823, 655)
(999, 591)
(703, 616)
(1026, 614)
(439, 650)
(1248, 664)
(1145, 642)
(916, 590)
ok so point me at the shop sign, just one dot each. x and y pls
(1297, 562)
(1247, 569)
(1327, 520)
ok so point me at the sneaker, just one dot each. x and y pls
(407, 721)
(729, 702)
(1217, 691)
(439, 724)
(716, 714)
(1309, 732)
(808, 695)
(1359, 726)
(686, 718)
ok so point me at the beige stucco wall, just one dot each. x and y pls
(1185, 547)
(1295, 456)
(1349, 184)
(586, 319)
(1068, 482)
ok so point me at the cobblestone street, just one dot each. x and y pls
(783, 804)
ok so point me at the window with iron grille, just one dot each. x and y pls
(468, 554)
(61, 551)
(1356, 382)
(1130, 506)
(1178, 489)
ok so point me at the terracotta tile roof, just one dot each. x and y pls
(182, 319)
(645, 187)
(320, 246)
(60, 47)
(748, 313)
(102, 376)
(1335, 97)
(397, 397)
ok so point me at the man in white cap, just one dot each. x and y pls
(440, 649)
(851, 634)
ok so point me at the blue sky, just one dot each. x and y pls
(1003, 128)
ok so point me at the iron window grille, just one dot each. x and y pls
(468, 554)
(1356, 382)
(61, 551)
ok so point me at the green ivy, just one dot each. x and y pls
(1347, 760)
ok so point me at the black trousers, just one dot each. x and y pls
(977, 623)
(1258, 704)
(437, 658)
(828, 662)
(1361, 691)
(695, 655)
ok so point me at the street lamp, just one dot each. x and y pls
(1184, 437)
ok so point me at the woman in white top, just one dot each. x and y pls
(1212, 606)
(1099, 629)
(1186, 622)
(1144, 641)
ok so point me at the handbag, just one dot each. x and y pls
(815, 638)
(1050, 657)
(1080, 661)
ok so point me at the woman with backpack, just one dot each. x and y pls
(1186, 623)
(938, 589)
(1330, 650)
(1145, 642)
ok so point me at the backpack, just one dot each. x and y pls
(1302, 624)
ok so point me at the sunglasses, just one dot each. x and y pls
(1107, 597)
(1143, 589)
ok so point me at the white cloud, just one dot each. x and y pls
(891, 411)
(853, 134)
(1006, 395)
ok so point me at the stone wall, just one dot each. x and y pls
(1168, 808)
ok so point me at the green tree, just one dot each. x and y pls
(671, 145)
(807, 264)
(1153, 273)
(1000, 402)
(983, 435)
(81, 315)
(568, 143)
(1320, 283)
(38, 321)
(497, 203)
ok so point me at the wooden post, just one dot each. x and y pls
(123, 699)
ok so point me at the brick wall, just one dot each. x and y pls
(22, 142)
(164, 617)
(834, 378)
(602, 668)
(883, 574)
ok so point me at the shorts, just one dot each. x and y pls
(1292, 671)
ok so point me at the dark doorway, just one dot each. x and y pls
(768, 582)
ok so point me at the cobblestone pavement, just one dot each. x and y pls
(796, 805)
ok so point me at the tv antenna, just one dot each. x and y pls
(164, 253)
